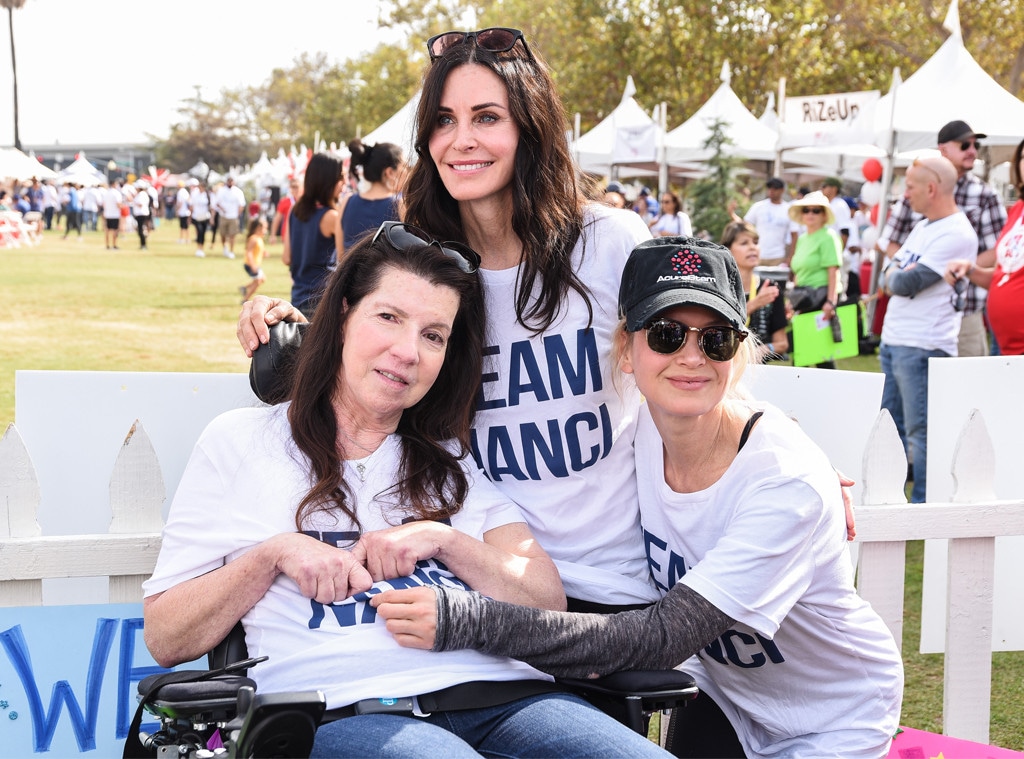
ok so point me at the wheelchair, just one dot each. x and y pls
(217, 712)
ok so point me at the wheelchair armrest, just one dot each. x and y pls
(280, 724)
(670, 684)
(215, 699)
(628, 695)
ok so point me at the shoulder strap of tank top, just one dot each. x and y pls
(748, 427)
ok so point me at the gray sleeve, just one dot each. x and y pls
(580, 645)
(910, 282)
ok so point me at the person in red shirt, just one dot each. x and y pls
(1005, 280)
(279, 225)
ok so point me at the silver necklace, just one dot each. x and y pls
(361, 470)
(362, 466)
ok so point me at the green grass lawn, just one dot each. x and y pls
(72, 305)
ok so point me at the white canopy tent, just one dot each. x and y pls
(81, 172)
(399, 130)
(16, 165)
(628, 136)
(264, 173)
(752, 139)
(950, 85)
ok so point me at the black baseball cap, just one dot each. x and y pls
(957, 131)
(680, 271)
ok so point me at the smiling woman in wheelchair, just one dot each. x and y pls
(289, 518)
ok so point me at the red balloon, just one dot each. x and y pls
(872, 169)
(874, 214)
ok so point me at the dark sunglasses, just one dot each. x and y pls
(497, 39)
(666, 336)
(815, 210)
(966, 145)
(402, 237)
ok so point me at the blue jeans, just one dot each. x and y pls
(905, 397)
(550, 725)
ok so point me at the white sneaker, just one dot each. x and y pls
(228, 253)
(199, 253)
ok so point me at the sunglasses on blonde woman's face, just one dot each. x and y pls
(495, 39)
(814, 210)
(718, 343)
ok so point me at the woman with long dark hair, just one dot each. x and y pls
(287, 519)
(314, 238)
(494, 171)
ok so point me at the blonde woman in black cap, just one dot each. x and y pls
(744, 531)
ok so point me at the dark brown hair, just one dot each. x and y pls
(435, 431)
(374, 160)
(318, 185)
(736, 228)
(548, 195)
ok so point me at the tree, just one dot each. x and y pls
(220, 133)
(10, 5)
(673, 48)
(711, 195)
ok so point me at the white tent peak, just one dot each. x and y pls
(751, 138)
(952, 21)
(726, 75)
(950, 85)
(770, 117)
(630, 90)
(399, 129)
(598, 150)
(897, 78)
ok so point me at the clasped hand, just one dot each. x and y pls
(328, 574)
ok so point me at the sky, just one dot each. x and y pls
(115, 70)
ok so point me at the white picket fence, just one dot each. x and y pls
(885, 522)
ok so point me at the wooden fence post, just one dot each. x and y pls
(19, 501)
(137, 495)
(881, 564)
(971, 568)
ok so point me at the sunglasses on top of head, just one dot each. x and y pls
(496, 39)
(403, 237)
(718, 343)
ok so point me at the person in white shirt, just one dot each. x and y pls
(289, 518)
(673, 221)
(113, 199)
(744, 533)
(200, 204)
(183, 210)
(770, 217)
(229, 203)
(922, 320)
